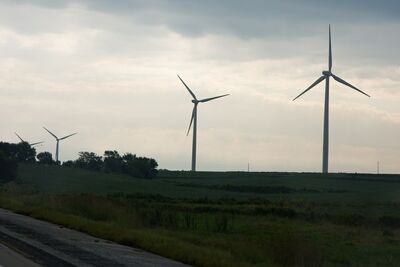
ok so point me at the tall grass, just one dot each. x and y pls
(196, 237)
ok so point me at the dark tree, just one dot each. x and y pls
(152, 164)
(25, 153)
(45, 158)
(139, 166)
(21, 152)
(69, 163)
(8, 168)
(128, 157)
(112, 161)
(89, 160)
(129, 166)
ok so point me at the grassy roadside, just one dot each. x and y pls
(220, 232)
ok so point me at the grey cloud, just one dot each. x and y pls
(246, 19)
(272, 25)
(45, 3)
(250, 19)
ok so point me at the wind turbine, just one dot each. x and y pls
(33, 144)
(193, 120)
(326, 74)
(58, 140)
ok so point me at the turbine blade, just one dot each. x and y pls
(50, 133)
(348, 84)
(22, 140)
(330, 49)
(187, 87)
(320, 79)
(212, 98)
(37, 143)
(191, 121)
(65, 137)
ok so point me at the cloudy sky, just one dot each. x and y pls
(107, 69)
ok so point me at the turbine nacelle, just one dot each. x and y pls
(326, 73)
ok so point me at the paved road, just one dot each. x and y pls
(53, 245)
(10, 258)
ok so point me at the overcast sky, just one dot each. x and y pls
(107, 69)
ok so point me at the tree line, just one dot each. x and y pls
(12, 154)
(112, 161)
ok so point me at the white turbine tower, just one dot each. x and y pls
(193, 120)
(325, 76)
(58, 140)
(33, 144)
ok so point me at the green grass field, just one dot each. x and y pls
(354, 188)
(224, 219)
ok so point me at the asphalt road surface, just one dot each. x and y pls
(10, 258)
(30, 242)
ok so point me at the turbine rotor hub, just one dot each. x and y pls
(326, 73)
(194, 101)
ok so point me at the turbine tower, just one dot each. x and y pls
(33, 144)
(193, 120)
(325, 76)
(58, 140)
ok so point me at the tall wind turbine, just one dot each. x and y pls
(193, 120)
(325, 76)
(33, 144)
(58, 140)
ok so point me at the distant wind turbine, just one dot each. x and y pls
(58, 140)
(33, 144)
(193, 120)
(325, 76)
